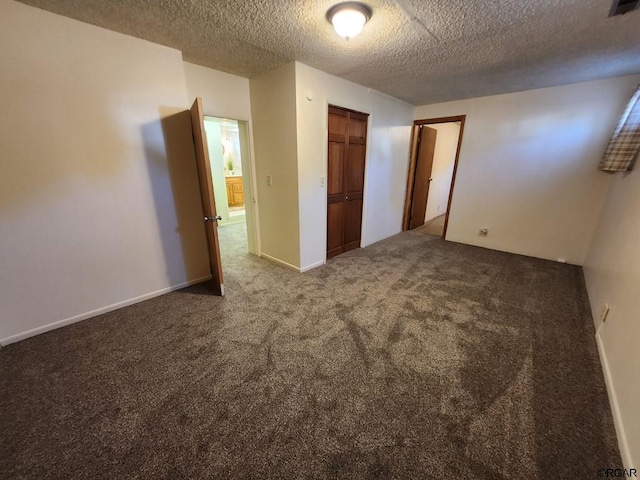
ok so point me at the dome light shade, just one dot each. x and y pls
(348, 18)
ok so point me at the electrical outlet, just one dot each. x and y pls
(269, 180)
(484, 232)
(605, 312)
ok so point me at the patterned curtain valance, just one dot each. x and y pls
(625, 142)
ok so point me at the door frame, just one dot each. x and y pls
(357, 105)
(251, 203)
(412, 167)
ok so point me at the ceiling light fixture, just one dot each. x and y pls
(348, 18)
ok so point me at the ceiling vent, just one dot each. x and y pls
(621, 7)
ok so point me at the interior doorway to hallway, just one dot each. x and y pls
(435, 150)
(231, 173)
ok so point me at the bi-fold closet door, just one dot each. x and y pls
(345, 179)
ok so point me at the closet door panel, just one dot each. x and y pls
(335, 229)
(352, 224)
(347, 136)
(335, 169)
(355, 168)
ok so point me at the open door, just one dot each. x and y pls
(424, 164)
(206, 192)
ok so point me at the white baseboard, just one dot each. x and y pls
(293, 267)
(280, 262)
(99, 311)
(625, 453)
(312, 266)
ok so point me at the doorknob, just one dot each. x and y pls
(212, 219)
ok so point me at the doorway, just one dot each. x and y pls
(231, 174)
(435, 150)
(347, 137)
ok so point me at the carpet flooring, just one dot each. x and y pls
(411, 358)
(435, 226)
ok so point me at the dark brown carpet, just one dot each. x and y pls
(412, 358)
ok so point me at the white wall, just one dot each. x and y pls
(228, 96)
(273, 110)
(527, 167)
(386, 163)
(612, 273)
(223, 95)
(99, 203)
(444, 158)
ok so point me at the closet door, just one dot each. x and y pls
(336, 194)
(345, 179)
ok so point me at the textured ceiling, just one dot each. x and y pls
(419, 51)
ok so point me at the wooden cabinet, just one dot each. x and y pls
(235, 191)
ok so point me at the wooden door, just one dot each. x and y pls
(345, 179)
(206, 193)
(424, 163)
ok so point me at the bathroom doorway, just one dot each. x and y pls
(231, 172)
